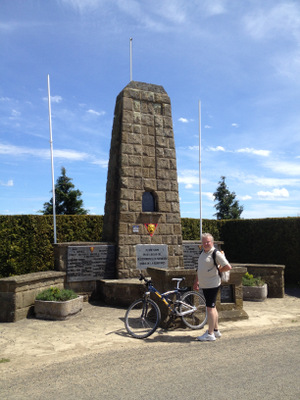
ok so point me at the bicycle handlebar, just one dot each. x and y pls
(142, 278)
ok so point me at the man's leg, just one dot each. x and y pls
(212, 319)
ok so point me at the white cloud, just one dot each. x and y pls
(188, 178)
(102, 163)
(82, 5)
(209, 195)
(9, 183)
(70, 155)
(97, 113)
(247, 197)
(54, 99)
(214, 7)
(263, 153)
(218, 148)
(207, 127)
(183, 120)
(14, 114)
(284, 167)
(43, 153)
(283, 19)
(235, 125)
(263, 181)
(275, 194)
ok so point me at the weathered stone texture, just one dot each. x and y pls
(142, 158)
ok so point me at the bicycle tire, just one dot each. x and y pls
(142, 318)
(198, 318)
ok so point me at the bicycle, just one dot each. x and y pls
(143, 316)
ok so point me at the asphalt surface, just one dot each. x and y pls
(32, 343)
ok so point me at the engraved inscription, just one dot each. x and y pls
(88, 263)
(151, 255)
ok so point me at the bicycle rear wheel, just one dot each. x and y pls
(197, 318)
(142, 318)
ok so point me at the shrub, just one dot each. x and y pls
(56, 294)
(250, 280)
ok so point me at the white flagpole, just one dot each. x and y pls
(130, 57)
(51, 151)
(200, 190)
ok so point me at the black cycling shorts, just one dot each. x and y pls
(211, 296)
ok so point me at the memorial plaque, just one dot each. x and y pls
(151, 255)
(89, 263)
(191, 254)
(227, 294)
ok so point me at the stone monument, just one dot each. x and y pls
(142, 215)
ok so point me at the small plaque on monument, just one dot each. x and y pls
(151, 255)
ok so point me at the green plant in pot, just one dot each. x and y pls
(57, 304)
(56, 294)
(250, 280)
(254, 288)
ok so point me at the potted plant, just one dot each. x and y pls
(254, 288)
(57, 304)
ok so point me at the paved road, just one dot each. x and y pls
(262, 365)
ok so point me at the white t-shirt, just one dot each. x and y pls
(208, 274)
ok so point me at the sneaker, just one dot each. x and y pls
(218, 334)
(207, 337)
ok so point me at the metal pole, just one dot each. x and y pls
(130, 57)
(51, 151)
(200, 190)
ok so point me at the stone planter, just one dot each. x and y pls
(255, 293)
(57, 310)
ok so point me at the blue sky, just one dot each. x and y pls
(241, 59)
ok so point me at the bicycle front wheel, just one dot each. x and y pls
(193, 301)
(142, 318)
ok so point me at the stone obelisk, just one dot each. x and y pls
(142, 201)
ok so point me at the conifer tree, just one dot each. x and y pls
(67, 199)
(227, 206)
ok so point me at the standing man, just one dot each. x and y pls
(208, 279)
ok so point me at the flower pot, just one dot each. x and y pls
(57, 310)
(255, 293)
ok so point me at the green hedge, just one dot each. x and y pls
(26, 241)
(265, 241)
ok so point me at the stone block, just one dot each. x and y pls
(135, 160)
(127, 117)
(163, 164)
(135, 138)
(127, 104)
(147, 119)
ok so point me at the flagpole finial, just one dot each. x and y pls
(130, 57)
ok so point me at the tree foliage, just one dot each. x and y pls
(227, 206)
(67, 199)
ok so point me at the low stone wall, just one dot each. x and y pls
(230, 307)
(17, 293)
(125, 291)
(272, 274)
(119, 292)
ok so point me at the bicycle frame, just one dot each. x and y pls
(168, 302)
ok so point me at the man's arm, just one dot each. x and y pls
(225, 268)
(196, 283)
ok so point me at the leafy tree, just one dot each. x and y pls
(227, 207)
(67, 199)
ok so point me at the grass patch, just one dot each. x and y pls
(4, 360)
